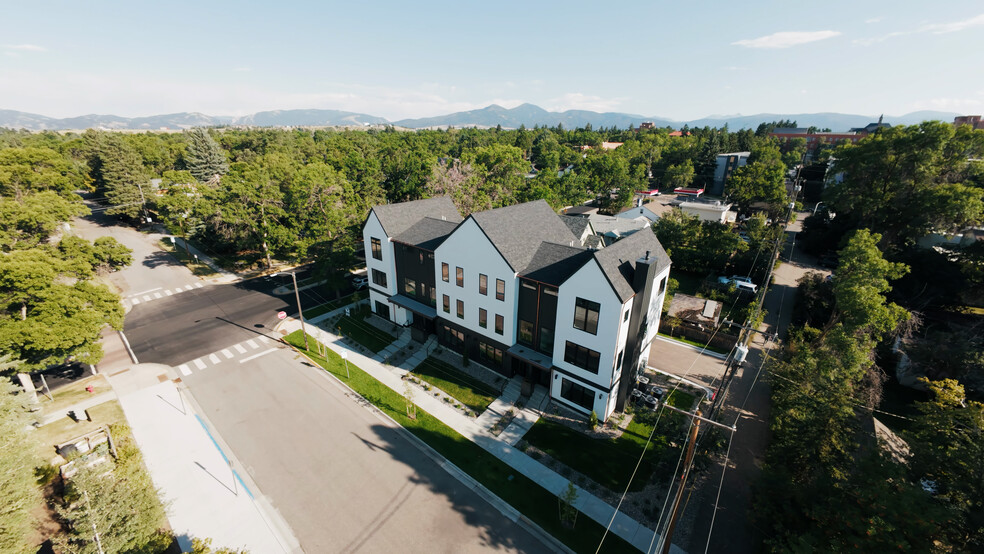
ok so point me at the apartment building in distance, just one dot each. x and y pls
(514, 289)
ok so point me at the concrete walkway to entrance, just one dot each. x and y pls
(624, 526)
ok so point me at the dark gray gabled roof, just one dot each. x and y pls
(428, 233)
(554, 263)
(397, 218)
(618, 260)
(577, 225)
(517, 231)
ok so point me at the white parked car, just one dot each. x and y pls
(360, 282)
(742, 283)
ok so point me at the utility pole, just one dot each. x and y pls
(675, 513)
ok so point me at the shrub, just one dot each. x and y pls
(593, 420)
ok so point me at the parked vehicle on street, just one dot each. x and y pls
(360, 282)
(742, 283)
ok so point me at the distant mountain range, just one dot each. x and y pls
(525, 114)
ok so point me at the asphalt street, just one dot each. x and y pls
(345, 479)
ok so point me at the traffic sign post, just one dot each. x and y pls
(281, 315)
(344, 355)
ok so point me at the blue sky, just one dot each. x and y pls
(675, 59)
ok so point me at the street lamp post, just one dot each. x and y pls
(300, 311)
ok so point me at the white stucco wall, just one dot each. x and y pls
(468, 247)
(589, 283)
(373, 229)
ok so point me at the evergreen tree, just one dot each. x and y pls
(121, 175)
(204, 158)
(18, 488)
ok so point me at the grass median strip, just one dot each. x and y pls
(532, 500)
(356, 328)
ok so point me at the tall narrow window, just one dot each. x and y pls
(459, 276)
(483, 284)
(526, 332)
(662, 286)
(586, 315)
(447, 304)
(461, 309)
(499, 324)
(444, 272)
(377, 248)
(483, 318)
(500, 289)
(378, 278)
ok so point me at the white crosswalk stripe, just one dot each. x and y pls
(135, 301)
(252, 344)
(168, 292)
(146, 298)
(264, 339)
(213, 358)
(157, 295)
(200, 364)
(239, 349)
(198, 285)
(226, 353)
(189, 287)
(184, 369)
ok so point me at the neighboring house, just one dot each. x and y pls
(513, 289)
(814, 140)
(644, 210)
(972, 120)
(707, 212)
(726, 165)
(580, 227)
(698, 311)
(582, 210)
(614, 228)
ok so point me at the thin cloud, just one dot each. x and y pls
(874, 20)
(25, 47)
(579, 101)
(786, 39)
(933, 28)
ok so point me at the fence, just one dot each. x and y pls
(722, 341)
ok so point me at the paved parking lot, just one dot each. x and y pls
(686, 361)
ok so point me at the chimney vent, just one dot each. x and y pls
(647, 255)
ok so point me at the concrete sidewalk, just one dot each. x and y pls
(194, 476)
(224, 276)
(79, 408)
(588, 504)
(206, 497)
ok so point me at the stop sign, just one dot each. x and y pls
(281, 315)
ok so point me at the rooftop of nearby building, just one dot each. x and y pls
(427, 234)
(616, 226)
(517, 230)
(740, 154)
(397, 218)
(554, 263)
(694, 309)
(618, 261)
(716, 207)
(577, 225)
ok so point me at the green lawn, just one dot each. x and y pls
(355, 327)
(535, 502)
(609, 462)
(197, 268)
(465, 389)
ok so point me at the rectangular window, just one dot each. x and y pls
(377, 248)
(459, 276)
(447, 304)
(526, 332)
(500, 289)
(618, 360)
(461, 309)
(498, 324)
(582, 396)
(662, 286)
(483, 318)
(625, 316)
(378, 278)
(581, 357)
(444, 272)
(433, 297)
(546, 340)
(483, 284)
(409, 287)
(490, 353)
(586, 315)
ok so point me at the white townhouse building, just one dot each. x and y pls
(513, 289)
